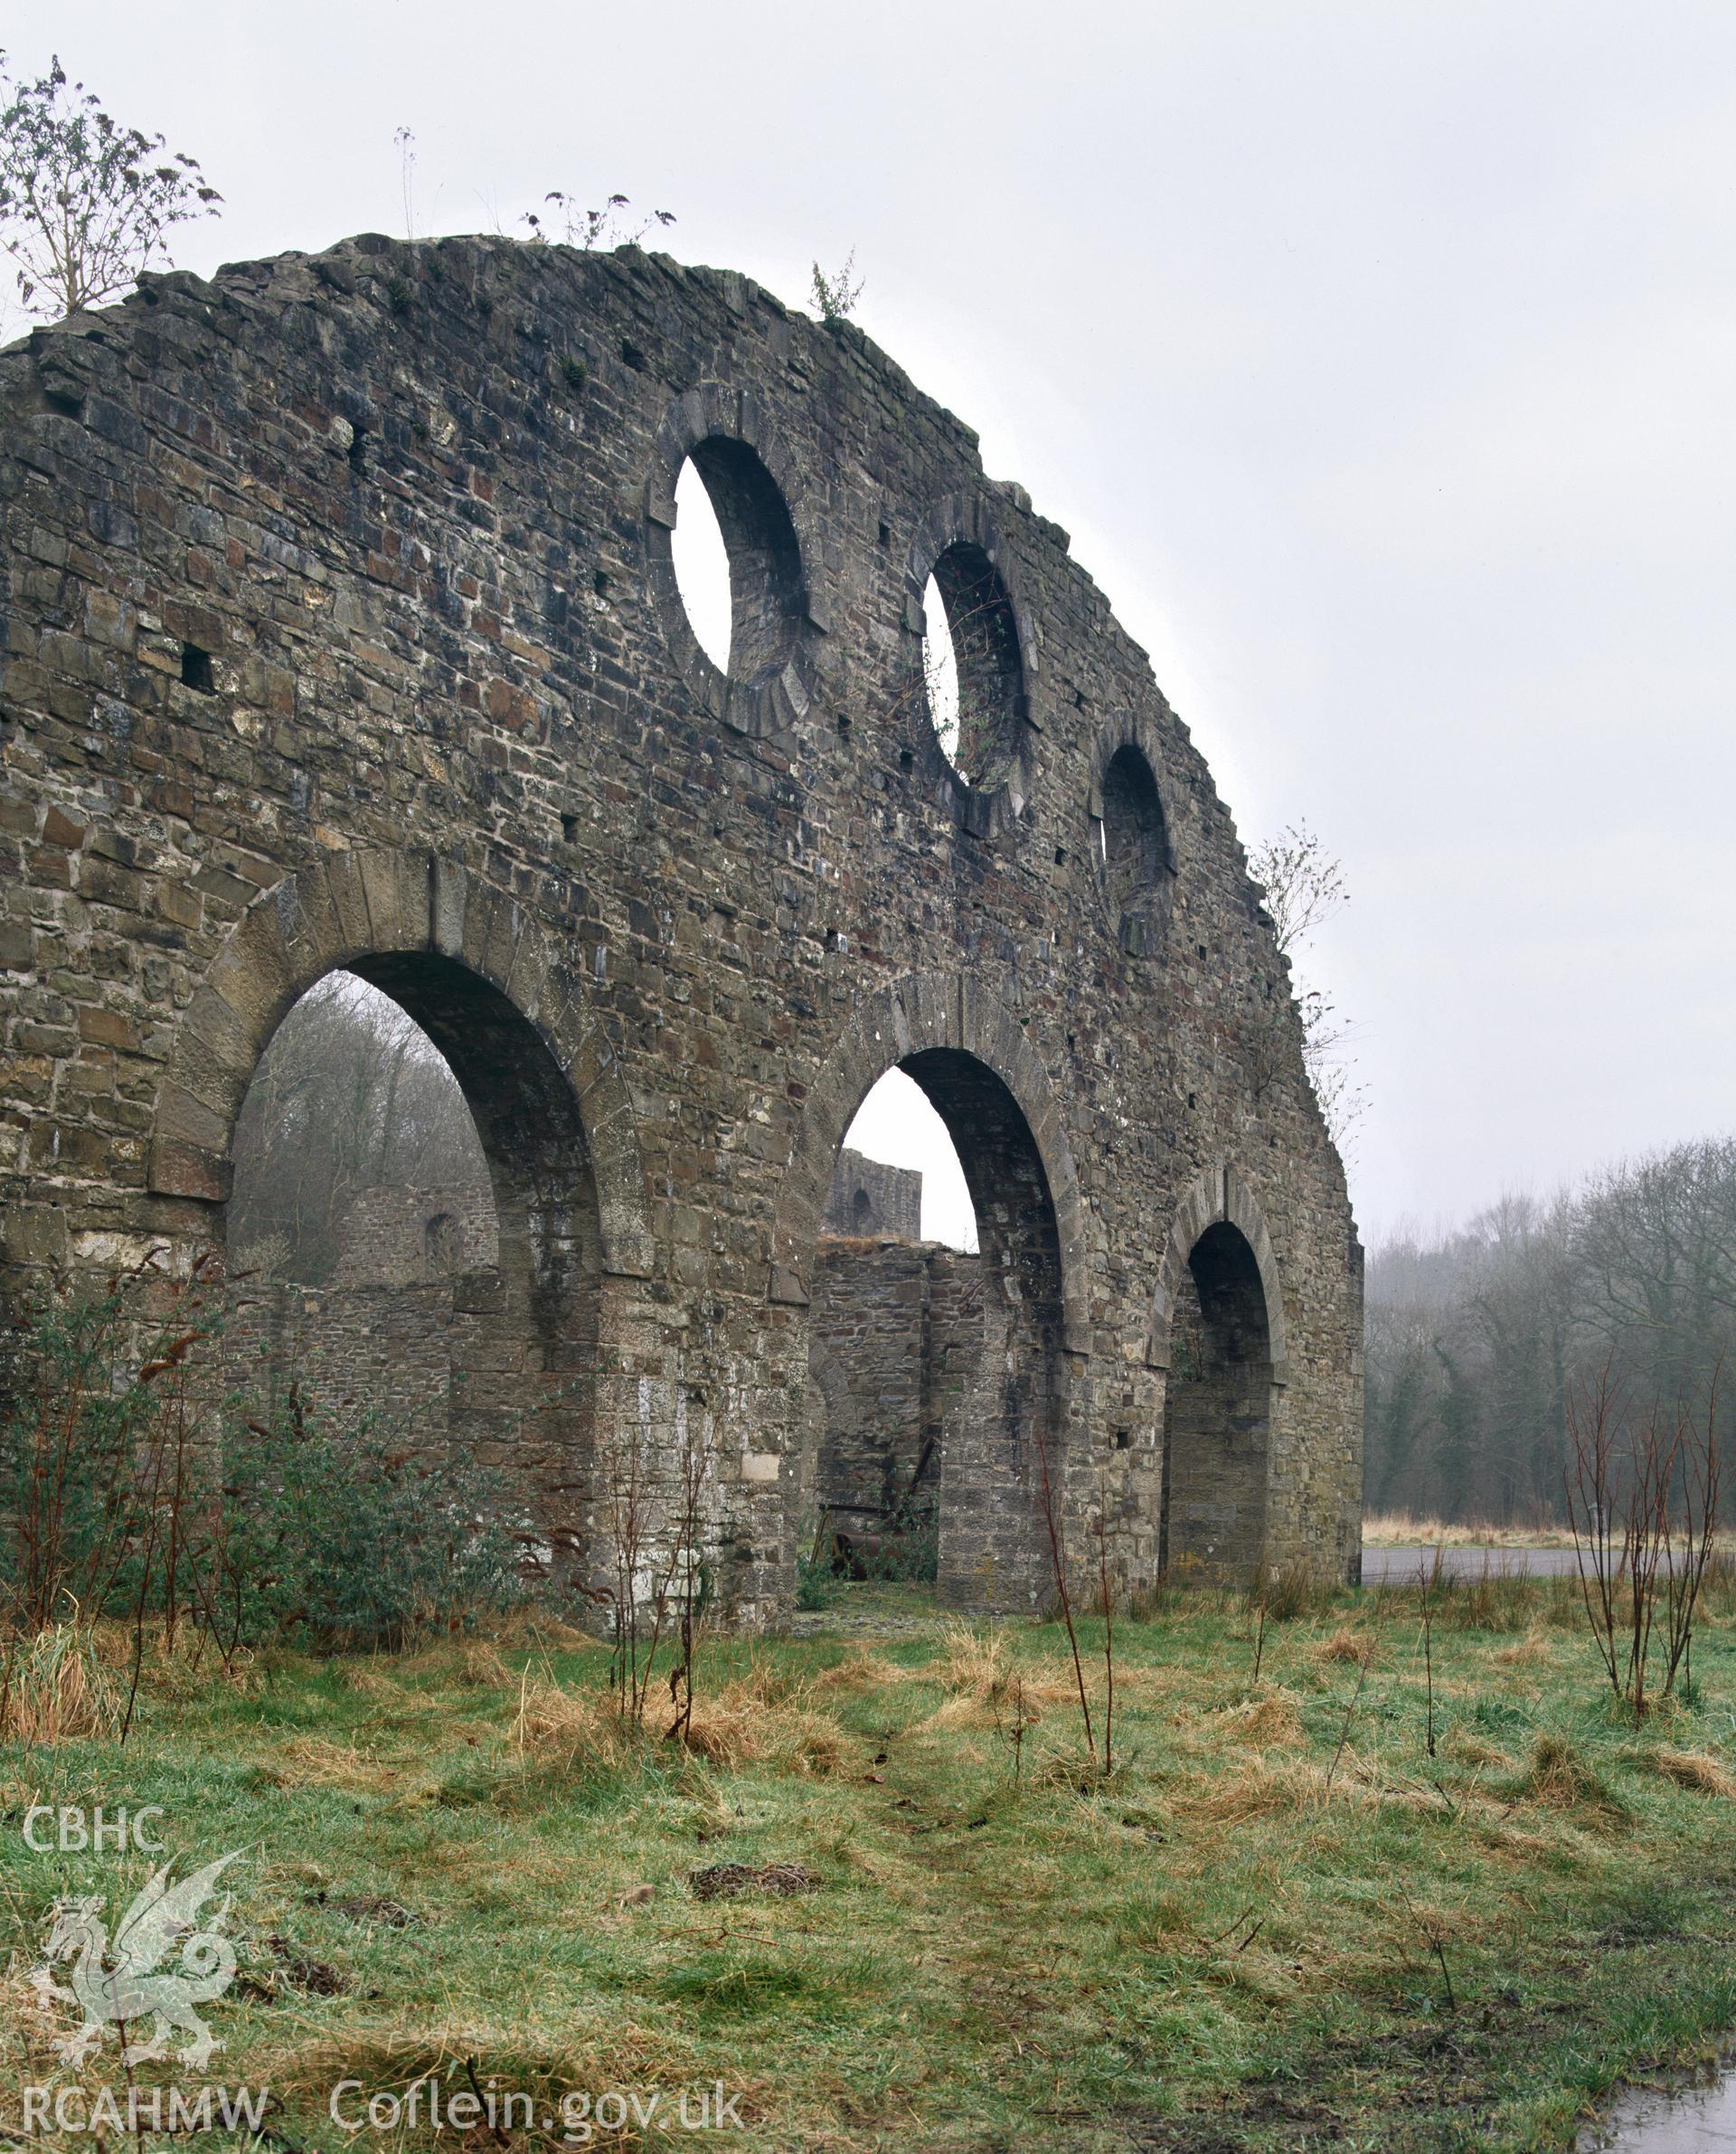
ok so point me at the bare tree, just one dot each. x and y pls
(85, 204)
(1305, 887)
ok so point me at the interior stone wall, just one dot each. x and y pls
(895, 1329)
(341, 628)
(350, 1351)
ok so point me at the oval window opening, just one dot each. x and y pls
(701, 566)
(941, 673)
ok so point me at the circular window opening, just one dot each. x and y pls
(701, 566)
(738, 566)
(971, 665)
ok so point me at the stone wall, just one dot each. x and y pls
(400, 1236)
(869, 1198)
(888, 1356)
(351, 1350)
(341, 628)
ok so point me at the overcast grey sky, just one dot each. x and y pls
(1380, 359)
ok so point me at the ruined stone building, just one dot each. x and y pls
(894, 1329)
(342, 631)
(869, 1197)
(386, 1330)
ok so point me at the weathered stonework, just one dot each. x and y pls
(895, 1329)
(342, 629)
(870, 1198)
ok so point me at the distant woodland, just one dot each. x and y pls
(1476, 1342)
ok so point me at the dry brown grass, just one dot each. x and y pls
(973, 1660)
(1697, 1768)
(1556, 1775)
(1405, 1529)
(1471, 1749)
(861, 1669)
(59, 1689)
(733, 1727)
(1535, 1649)
(311, 1761)
(738, 1727)
(985, 1682)
(554, 1723)
(1347, 1643)
(463, 1664)
(1270, 1722)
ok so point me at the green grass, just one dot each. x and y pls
(1212, 1949)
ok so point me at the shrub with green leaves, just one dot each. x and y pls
(346, 1535)
(124, 1491)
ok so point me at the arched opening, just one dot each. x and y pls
(737, 562)
(413, 1229)
(933, 1354)
(971, 667)
(1132, 844)
(1217, 1413)
(355, 1154)
(442, 1245)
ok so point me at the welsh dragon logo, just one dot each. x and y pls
(130, 1990)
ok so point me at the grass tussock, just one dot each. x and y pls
(861, 1669)
(1349, 1644)
(56, 1688)
(555, 1723)
(737, 1729)
(1272, 1721)
(1558, 1773)
(1535, 1649)
(1697, 1768)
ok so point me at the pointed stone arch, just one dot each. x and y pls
(1223, 1194)
(926, 1011)
(348, 910)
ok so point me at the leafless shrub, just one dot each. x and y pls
(1015, 1713)
(590, 230)
(1429, 1580)
(1049, 1512)
(652, 1529)
(1350, 1713)
(1642, 1492)
(1107, 1600)
(834, 297)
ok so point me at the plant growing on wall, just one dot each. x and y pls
(85, 204)
(590, 230)
(834, 297)
(1305, 887)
